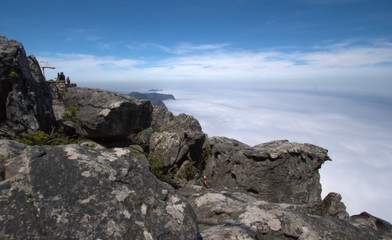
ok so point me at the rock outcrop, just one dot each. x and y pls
(227, 214)
(107, 115)
(174, 140)
(73, 192)
(25, 98)
(277, 171)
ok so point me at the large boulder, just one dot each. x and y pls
(25, 97)
(172, 141)
(74, 192)
(227, 214)
(108, 115)
(278, 171)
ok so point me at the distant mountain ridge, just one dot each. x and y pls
(156, 99)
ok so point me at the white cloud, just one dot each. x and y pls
(181, 49)
(357, 134)
(347, 65)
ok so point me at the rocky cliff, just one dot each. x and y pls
(147, 174)
(25, 98)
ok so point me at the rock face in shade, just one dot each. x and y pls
(278, 171)
(108, 115)
(80, 193)
(25, 97)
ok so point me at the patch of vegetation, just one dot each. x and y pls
(41, 138)
(205, 155)
(189, 170)
(156, 166)
(136, 153)
(162, 130)
(175, 168)
(13, 75)
(70, 114)
(90, 145)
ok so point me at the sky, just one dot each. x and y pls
(317, 71)
(313, 43)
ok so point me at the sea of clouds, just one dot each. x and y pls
(356, 129)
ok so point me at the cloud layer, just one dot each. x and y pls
(356, 133)
(343, 65)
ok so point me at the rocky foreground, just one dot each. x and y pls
(139, 172)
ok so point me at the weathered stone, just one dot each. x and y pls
(165, 121)
(80, 193)
(277, 171)
(332, 206)
(226, 214)
(368, 221)
(108, 115)
(174, 140)
(25, 98)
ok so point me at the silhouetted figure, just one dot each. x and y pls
(62, 77)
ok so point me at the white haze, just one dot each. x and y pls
(355, 128)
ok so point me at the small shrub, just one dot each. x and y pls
(13, 75)
(70, 114)
(156, 166)
(39, 138)
(189, 171)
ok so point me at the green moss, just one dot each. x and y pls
(13, 75)
(136, 153)
(156, 166)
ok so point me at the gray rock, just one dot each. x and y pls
(25, 97)
(173, 140)
(277, 171)
(108, 115)
(332, 206)
(226, 214)
(73, 192)
(366, 220)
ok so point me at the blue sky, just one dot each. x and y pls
(346, 43)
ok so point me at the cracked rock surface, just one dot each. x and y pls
(107, 115)
(227, 214)
(74, 192)
(278, 171)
